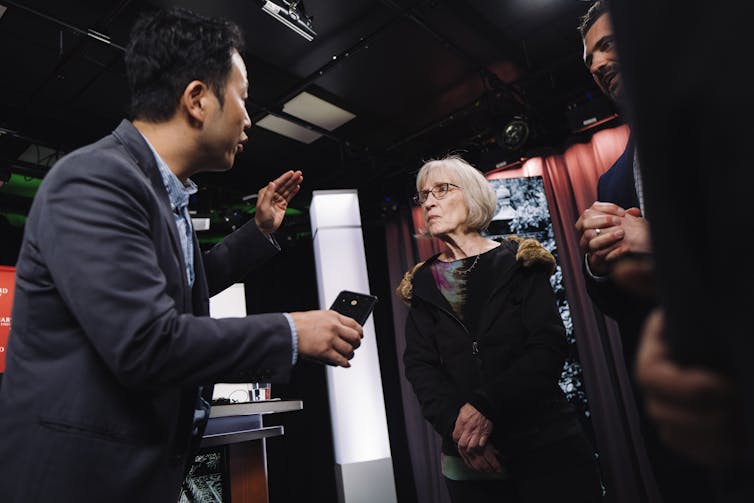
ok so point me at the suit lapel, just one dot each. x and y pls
(136, 146)
(200, 292)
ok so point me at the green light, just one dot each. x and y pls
(22, 186)
(210, 240)
(250, 210)
(15, 219)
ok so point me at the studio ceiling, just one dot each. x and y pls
(422, 78)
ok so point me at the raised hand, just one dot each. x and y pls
(272, 200)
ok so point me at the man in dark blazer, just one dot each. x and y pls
(614, 225)
(111, 340)
(614, 228)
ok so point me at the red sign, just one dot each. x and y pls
(7, 282)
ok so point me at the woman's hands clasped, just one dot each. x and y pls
(471, 433)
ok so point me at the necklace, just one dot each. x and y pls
(469, 269)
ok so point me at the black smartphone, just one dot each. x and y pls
(355, 305)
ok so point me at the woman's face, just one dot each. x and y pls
(447, 215)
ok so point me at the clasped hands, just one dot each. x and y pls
(471, 434)
(608, 232)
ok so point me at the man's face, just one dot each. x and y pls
(223, 134)
(601, 58)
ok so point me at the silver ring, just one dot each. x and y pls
(597, 231)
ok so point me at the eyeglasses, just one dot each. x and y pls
(440, 190)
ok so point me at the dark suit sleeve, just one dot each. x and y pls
(617, 185)
(97, 232)
(610, 299)
(241, 251)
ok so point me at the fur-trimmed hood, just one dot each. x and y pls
(530, 253)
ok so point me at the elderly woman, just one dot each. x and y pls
(485, 347)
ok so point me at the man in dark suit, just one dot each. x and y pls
(111, 339)
(616, 227)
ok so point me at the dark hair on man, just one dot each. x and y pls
(169, 49)
(595, 11)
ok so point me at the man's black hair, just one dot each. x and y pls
(595, 11)
(169, 49)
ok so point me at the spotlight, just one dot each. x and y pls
(292, 14)
(514, 134)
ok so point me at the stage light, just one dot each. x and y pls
(514, 134)
(292, 14)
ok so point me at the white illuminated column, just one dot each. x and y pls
(363, 463)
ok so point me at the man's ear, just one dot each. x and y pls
(194, 102)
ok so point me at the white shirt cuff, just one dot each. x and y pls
(294, 338)
(599, 279)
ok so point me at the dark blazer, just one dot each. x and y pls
(512, 377)
(109, 345)
(617, 186)
(677, 478)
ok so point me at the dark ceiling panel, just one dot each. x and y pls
(379, 78)
(423, 77)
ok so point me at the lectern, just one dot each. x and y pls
(237, 433)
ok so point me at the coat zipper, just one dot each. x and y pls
(474, 342)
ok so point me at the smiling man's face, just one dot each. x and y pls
(601, 58)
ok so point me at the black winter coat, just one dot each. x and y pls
(508, 368)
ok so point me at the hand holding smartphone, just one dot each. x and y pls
(354, 305)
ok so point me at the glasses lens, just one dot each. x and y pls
(440, 190)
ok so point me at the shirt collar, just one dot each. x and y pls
(178, 193)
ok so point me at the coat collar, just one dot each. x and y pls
(528, 252)
(424, 284)
(138, 148)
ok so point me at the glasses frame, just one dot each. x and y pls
(418, 200)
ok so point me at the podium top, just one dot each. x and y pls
(253, 408)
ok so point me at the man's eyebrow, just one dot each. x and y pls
(604, 40)
(598, 46)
